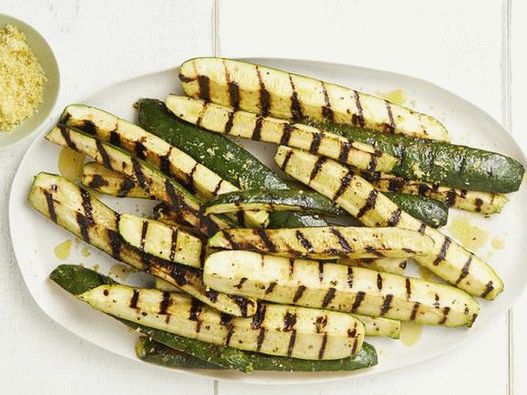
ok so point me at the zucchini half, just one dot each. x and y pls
(147, 177)
(449, 260)
(147, 146)
(268, 91)
(338, 287)
(225, 120)
(276, 330)
(326, 242)
(88, 218)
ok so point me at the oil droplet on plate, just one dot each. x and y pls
(497, 243)
(410, 333)
(120, 271)
(62, 250)
(470, 236)
(70, 164)
(396, 96)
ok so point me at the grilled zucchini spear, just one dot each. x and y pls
(154, 150)
(147, 177)
(268, 91)
(244, 124)
(88, 218)
(326, 242)
(449, 260)
(480, 202)
(338, 287)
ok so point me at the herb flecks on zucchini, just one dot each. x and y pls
(271, 201)
(228, 121)
(326, 242)
(338, 287)
(441, 163)
(449, 260)
(268, 91)
(88, 218)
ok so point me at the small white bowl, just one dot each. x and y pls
(49, 64)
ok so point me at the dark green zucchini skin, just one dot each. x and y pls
(432, 212)
(150, 351)
(447, 164)
(226, 158)
(309, 202)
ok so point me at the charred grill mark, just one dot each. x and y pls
(191, 183)
(442, 253)
(422, 229)
(115, 138)
(291, 267)
(358, 118)
(185, 79)
(179, 274)
(204, 87)
(422, 189)
(395, 184)
(259, 316)
(83, 227)
(125, 187)
(257, 131)
(323, 346)
(266, 240)
(390, 127)
(265, 97)
(305, 242)
(115, 243)
(372, 165)
(478, 202)
(315, 143)
(140, 150)
(230, 122)
(341, 239)
(230, 331)
(260, 339)
(408, 288)
(144, 229)
(327, 111)
(289, 321)
(97, 181)
(450, 197)
(465, 270)
(296, 108)
(443, 320)
(291, 344)
(350, 277)
(104, 155)
(164, 163)
(87, 206)
(373, 251)
(165, 303)
(345, 148)
(286, 160)
(299, 292)
(173, 243)
(217, 188)
(370, 203)
(386, 304)
(240, 217)
(379, 281)
(212, 295)
(358, 300)
(270, 288)
(344, 184)
(195, 310)
(355, 346)
(134, 300)
(234, 95)
(395, 217)
(139, 175)
(67, 137)
(234, 245)
(240, 284)
(175, 200)
(243, 303)
(330, 294)
(286, 135)
(488, 289)
(320, 271)
(316, 168)
(414, 311)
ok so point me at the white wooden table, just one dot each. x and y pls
(464, 46)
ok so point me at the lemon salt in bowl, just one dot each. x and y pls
(41, 116)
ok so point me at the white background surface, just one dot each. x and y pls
(464, 46)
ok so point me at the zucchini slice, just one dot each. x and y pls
(166, 242)
(268, 91)
(147, 146)
(225, 120)
(88, 218)
(276, 330)
(338, 287)
(326, 242)
(109, 182)
(272, 200)
(485, 203)
(388, 265)
(449, 260)
(380, 326)
(151, 180)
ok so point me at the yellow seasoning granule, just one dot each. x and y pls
(21, 78)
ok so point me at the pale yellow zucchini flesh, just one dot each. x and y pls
(388, 265)
(326, 242)
(449, 260)
(380, 327)
(170, 243)
(237, 123)
(88, 218)
(485, 203)
(268, 91)
(276, 330)
(153, 149)
(338, 287)
(109, 182)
